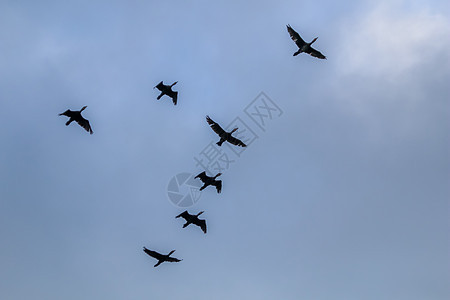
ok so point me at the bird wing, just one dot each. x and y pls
(295, 36)
(160, 86)
(184, 215)
(85, 124)
(202, 176)
(218, 185)
(236, 141)
(216, 127)
(201, 224)
(153, 253)
(315, 53)
(173, 95)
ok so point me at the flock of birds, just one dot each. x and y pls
(224, 136)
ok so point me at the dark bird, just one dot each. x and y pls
(224, 136)
(161, 257)
(210, 181)
(302, 45)
(76, 116)
(193, 219)
(167, 90)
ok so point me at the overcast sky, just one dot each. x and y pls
(343, 195)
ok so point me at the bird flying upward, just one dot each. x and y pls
(167, 90)
(224, 136)
(77, 117)
(193, 219)
(161, 257)
(302, 45)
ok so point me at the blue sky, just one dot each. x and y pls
(344, 196)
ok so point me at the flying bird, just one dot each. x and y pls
(167, 90)
(302, 45)
(193, 219)
(161, 257)
(76, 116)
(210, 181)
(224, 136)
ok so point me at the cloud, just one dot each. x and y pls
(387, 41)
(390, 71)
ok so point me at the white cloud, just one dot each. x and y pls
(390, 41)
(392, 70)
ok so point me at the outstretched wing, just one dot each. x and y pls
(173, 95)
(160, 86)
(154, 254)
(184, 215)
(218, 185)
(216, 127)
(236, 141)
(316, 53)
(85, 124)
(201, 224)
(295, 36)
(202, 176)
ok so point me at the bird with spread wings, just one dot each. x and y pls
(302, 45)
(77, 117)
(224, 136)
(193, 219)
(167, 90)
(210, 181)
(161, 257)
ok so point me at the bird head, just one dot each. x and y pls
(83, 108)
(170, 253)
(234, 130)
(174, 83)
(218, 174)
(315, 39)
(200, 213)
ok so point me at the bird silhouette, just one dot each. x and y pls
(161, 257)
(193, 219)
(302, 45)
(210, 181)
(77, 117)
(167, 90)
(224, 136)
